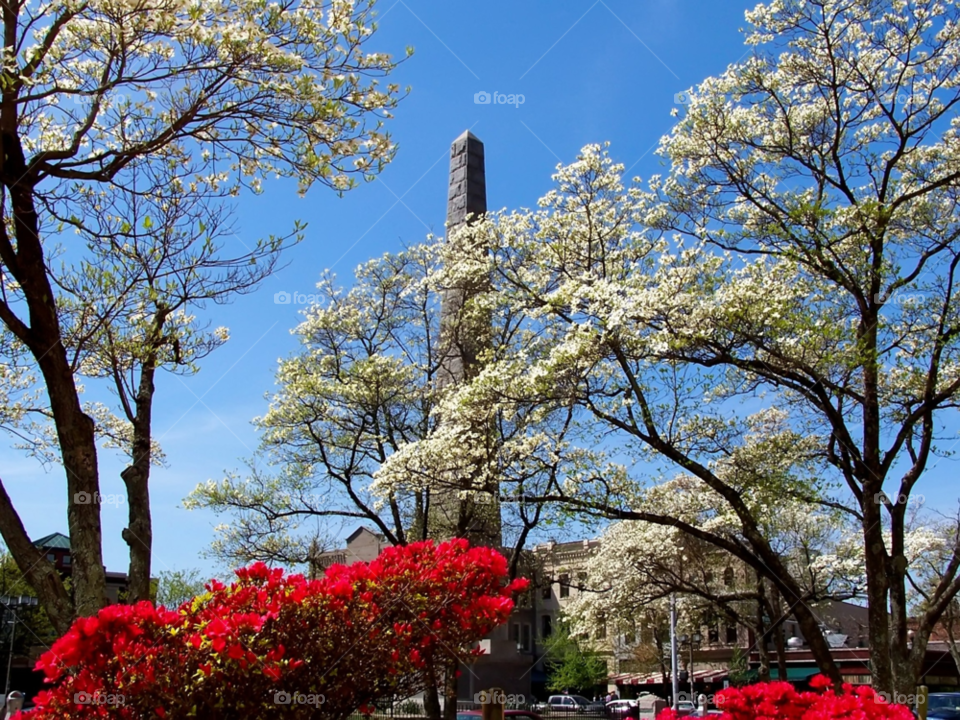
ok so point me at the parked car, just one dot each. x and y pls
(623, 710)
(596, 707)
(567, 704)
(943, 706)
(518, 714)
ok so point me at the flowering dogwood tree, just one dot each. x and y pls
(364, 385)
(639, 566)
(271, 645)
(129, 123)
(799, 257)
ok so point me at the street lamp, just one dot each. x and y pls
(694, 642)
(11, 604)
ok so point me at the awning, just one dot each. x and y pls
(794, 674)
(699, 676)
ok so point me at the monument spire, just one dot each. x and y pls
(463, 341)
(468, 181)
(464, 336)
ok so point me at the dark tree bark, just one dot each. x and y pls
(431, 695)
(75, 429)
(762, 639)
(139, 531)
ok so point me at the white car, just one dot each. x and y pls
(623, 710)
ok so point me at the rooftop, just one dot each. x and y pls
(54, 541)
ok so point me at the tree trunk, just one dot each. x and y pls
(39, 573)
(810, 627)
(870, 474)
(905, 669)
(139, 531)
(75, 429)
(764, 671)
(450, 689)
(777, 631)
(875, 561)
(431, 695)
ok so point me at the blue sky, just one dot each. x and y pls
(589, 71)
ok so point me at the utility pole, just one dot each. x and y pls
(11, 604)
(674, 660)
(13, 630)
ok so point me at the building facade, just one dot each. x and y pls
(56, 548)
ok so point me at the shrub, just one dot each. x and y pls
(761, 701)
(271, 644)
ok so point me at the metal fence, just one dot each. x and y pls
(412, 709)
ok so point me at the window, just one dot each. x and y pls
(546, 626)
(515, 633)
(728, 577)
(547, 591)
(67, 560)
(713, 635)
(51, 557)
(581, 581)
(525, 637)
(731, 632)
(564, 586)
(601, 627)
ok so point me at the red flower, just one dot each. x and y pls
(781, 700)
(358, 635)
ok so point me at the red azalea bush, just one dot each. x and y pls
(270, 645)
(765, 701)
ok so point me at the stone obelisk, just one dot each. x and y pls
(468, 182)
(462, 341)
(464, 336)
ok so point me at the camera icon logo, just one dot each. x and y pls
(682, 98)
(481, 98)
(281, 298)
(281, 698)
(82, 498)
(83, 698)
